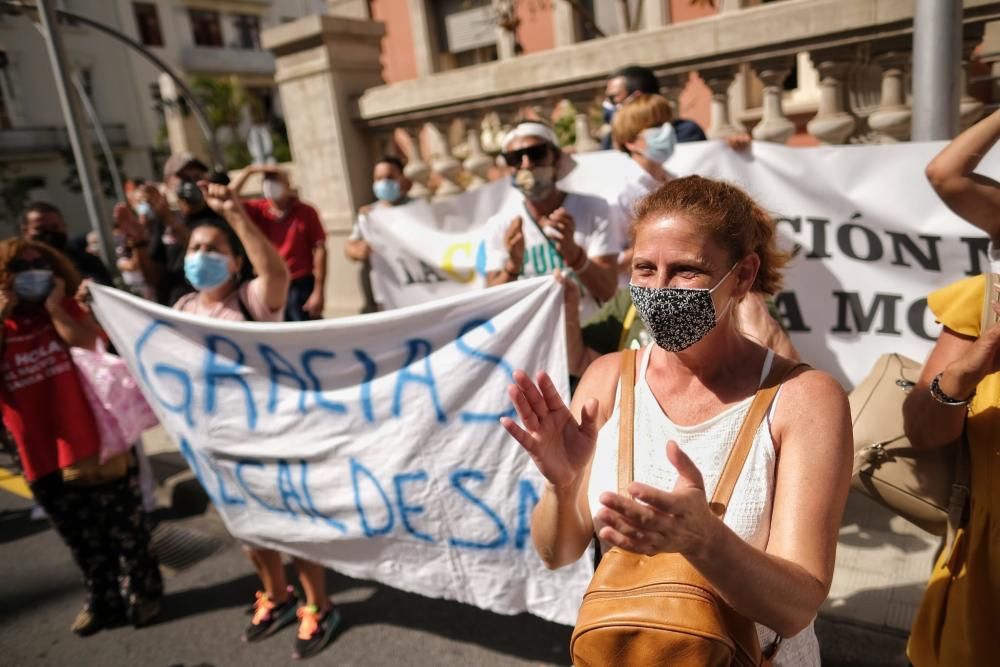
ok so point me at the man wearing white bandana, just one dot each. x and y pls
(548, 229)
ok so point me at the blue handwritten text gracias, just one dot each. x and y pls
(224, 364)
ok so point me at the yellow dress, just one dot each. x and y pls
(958, 623)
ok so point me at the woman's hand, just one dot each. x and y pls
(739, 141)
(962, 376)
(559, 446)
(560, 227)
(657, 521)
(155, 199)
(129, 225)
(83, 296)
(514, 242)
(220, 198)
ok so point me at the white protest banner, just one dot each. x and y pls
(426, 250)
(871, 237)
(369, 444)
(871, 240)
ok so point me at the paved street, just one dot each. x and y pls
(203, 615)
(207, 596)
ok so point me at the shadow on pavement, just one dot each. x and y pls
(523, 636)
(195, 601)
(848, 644)
(17, 524)
(33, 593)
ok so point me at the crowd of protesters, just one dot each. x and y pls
(681, 270)
(188, 242)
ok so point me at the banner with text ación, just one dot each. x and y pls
(870, 239)
(369, 444)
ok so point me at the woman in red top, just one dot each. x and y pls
(96, 508)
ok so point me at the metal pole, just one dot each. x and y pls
(83, 153)
(937, 59)
(102, 138)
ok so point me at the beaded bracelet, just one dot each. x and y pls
(938, 394)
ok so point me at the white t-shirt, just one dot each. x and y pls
(595, 232)
(629, 196)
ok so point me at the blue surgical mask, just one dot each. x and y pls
(206, 270)
(144, 210)
(660, 142)
(33, 285)
(387, 190)
(272, 189)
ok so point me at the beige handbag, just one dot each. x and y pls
(928, 487)
(915, 484)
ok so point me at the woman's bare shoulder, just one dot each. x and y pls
(812, 406)
(600, 381)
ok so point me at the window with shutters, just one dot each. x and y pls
(247, 29)
(147, 22)
(205, 27)
(466, 32)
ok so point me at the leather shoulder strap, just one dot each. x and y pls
(626, 420)
(780, 369)
(990, 296)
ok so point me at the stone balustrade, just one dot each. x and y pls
(859, 51)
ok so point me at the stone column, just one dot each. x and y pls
(892, 119)
(718, 81)
(491, 133)
(323, 64)
(563, 23)
(832, 124)
(671, 87)
(423, 37)
(584, 139)
(443, 163)
(655, 15)
(969, 108)
(418, 171)
(478, 163)
(774, 126)
(507, 21)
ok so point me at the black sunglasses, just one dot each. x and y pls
(535, 154)
(19, 265)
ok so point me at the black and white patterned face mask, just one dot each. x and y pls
(676, 317)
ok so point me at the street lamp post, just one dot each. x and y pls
(937, 57)
(83, 153)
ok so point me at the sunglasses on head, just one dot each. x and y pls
(535, 154)
(19, 265)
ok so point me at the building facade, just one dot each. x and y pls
(439, 81)
(139, 110)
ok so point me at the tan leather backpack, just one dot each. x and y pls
(659, 610)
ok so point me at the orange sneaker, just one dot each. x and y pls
(269, 617)
(315, 630)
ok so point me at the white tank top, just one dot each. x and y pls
(708, 445)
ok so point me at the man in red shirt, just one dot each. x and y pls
(295, 230)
